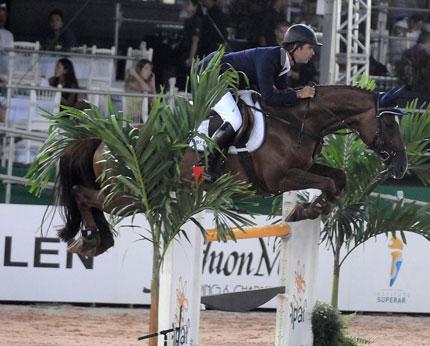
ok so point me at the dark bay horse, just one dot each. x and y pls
(285, 161)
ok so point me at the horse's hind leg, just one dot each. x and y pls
(96, 236)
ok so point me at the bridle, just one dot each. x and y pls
(381, 111)
(377, 142)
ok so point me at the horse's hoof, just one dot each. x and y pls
(311, 214)
(106, 243)
(75, 246)
(320, 204)
(296, 214)
(86, 245)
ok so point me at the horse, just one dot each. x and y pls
(285, 161)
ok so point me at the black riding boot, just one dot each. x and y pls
(223, 137)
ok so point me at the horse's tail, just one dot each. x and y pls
(76, 168)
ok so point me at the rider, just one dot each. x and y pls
(266, 69)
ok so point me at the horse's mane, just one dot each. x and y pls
(337, 86)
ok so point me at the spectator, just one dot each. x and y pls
(141, 79)
(58, 36)
(280, 30)
(398, 46)
(214, 28)
(270, 20)
(413, 69)
(6, 41)
(416, 26)
(187, 47)
(65, 76)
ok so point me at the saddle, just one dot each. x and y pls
(250, 135)
(244, 132)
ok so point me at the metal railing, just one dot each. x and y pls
(12, 135)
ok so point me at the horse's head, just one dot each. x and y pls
(380, 130)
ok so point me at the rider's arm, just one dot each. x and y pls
(265, 72)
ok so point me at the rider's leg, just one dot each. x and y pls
(229, 112)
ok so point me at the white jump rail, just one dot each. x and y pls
(180, 280)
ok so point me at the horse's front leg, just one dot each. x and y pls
(297, 179)
(336, 174)
(91, 243)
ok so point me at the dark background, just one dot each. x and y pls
(95, 25)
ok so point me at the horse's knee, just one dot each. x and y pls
(330, 189)
(341, 181)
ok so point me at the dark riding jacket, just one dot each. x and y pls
(264, 67)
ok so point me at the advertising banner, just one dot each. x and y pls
(382, 275)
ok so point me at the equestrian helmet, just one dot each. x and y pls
(300, 33)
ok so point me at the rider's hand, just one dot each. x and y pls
(306, 92)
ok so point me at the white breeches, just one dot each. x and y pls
(228, 110)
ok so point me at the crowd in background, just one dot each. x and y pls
(258, 23)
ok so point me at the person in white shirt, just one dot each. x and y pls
(6, 41)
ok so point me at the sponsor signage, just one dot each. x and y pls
(382, 275)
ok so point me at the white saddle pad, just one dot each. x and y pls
(256, 136)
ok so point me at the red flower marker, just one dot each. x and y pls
(198, 172)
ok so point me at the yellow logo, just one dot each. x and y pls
(396, 247)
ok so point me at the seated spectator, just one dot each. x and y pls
(413, 69)
(65, 76)
(141, 79)
(6, 41)
(58, 37)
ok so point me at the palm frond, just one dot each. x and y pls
(143, 166)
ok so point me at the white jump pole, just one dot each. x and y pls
(298, 273)
(180, 286)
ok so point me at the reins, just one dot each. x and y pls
(301, 126)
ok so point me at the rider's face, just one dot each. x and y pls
(303, 54)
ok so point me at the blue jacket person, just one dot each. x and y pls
(266, 69)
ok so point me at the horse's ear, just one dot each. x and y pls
(399, 92)
(388, 98)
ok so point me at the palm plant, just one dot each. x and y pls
(359, 215)
(145, 164)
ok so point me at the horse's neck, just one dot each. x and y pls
(339, 105)
(331, 110)
(344, 101)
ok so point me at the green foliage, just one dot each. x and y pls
(389, 218)
(144, 165)
(328, 327)
(357, 216)
(364, 82)
(415, 131)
